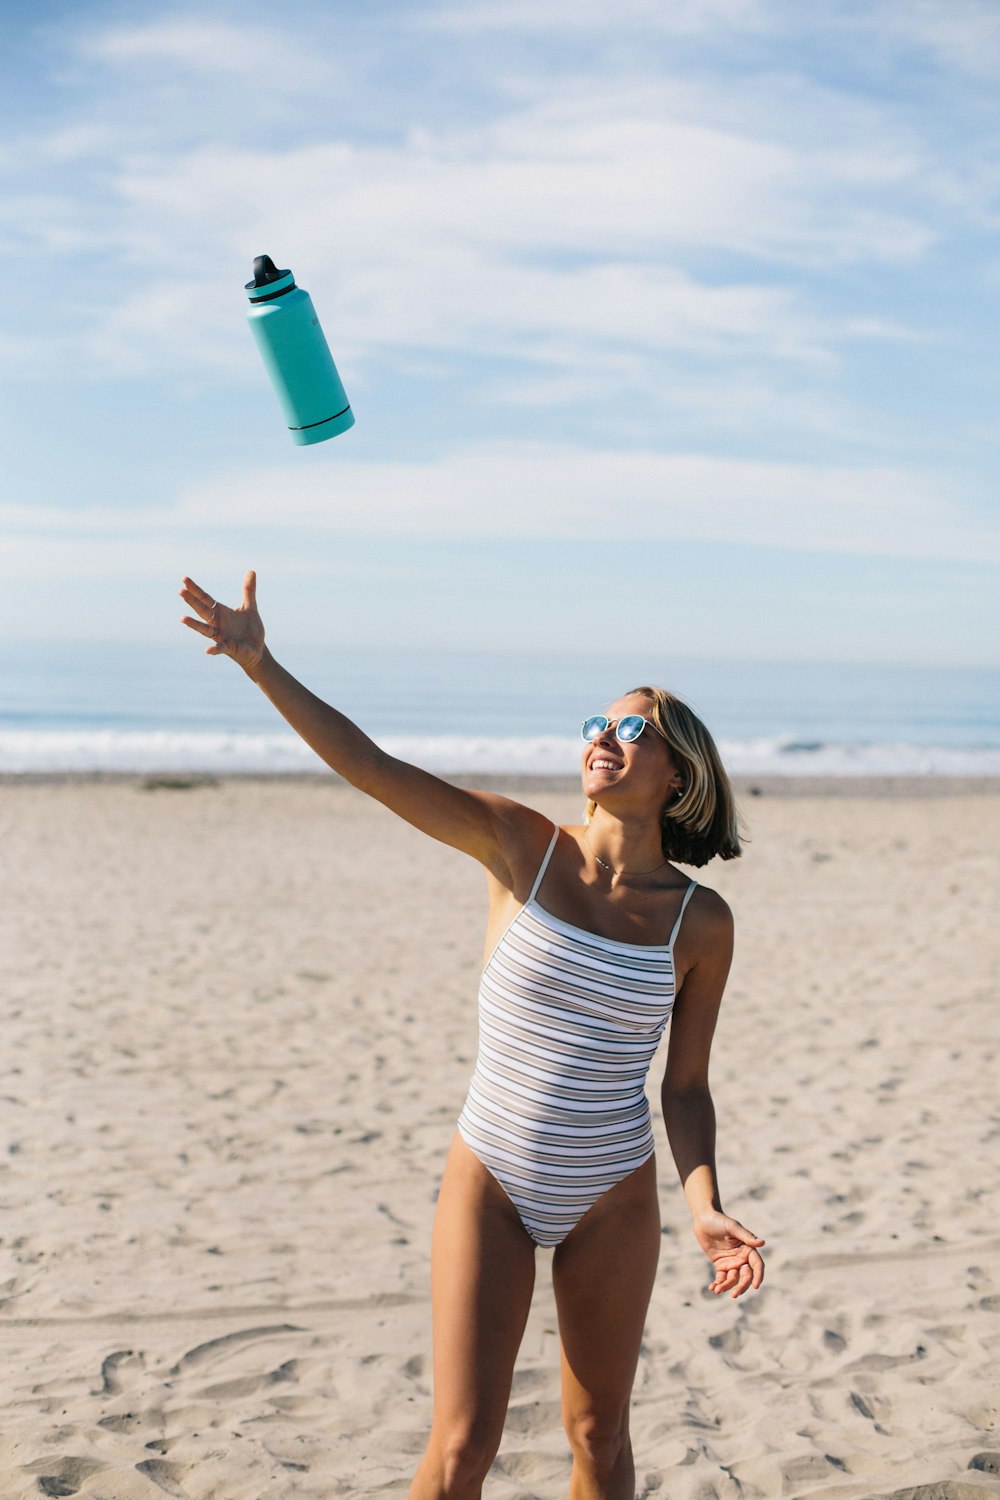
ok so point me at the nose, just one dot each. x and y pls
(607, 739)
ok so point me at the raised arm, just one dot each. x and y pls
(688, 1110)
(479, 823)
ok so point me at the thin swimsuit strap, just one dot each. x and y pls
(544, 865)
(680, 915)
(531, 894)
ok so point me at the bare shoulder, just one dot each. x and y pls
(710, 911)
(707, 933)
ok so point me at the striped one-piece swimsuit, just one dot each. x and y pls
(568, 1024)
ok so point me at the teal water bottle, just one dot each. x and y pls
(297, 357)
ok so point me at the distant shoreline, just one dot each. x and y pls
(746, 787)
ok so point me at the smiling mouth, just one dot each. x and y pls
(599, 763)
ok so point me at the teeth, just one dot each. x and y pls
(608, 765)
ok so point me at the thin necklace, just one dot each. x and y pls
(611, 869)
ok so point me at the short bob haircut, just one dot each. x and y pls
(702, 822)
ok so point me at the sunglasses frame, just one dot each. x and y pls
(615, 725)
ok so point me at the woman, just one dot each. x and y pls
(594, 938)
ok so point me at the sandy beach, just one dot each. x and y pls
(234, 1052)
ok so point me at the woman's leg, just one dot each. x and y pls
(482, 1276)
(603, 1273)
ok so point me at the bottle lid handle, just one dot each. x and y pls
(265, 271)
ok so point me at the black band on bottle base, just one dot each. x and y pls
(310, 425)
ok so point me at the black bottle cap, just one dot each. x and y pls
(265, 271)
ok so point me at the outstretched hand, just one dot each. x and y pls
(732, 1249)
(238, 633)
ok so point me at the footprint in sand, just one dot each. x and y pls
(125, 1421)
(63, 1476)
(249, 1385)
(165, 1476)
(215, 1349)
(944, 1489)
(730, 1342)
(780, 1474)
(116, 1369)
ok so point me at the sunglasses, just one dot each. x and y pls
(626, 730)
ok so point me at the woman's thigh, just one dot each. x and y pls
(603, 1274)
(482, 1276)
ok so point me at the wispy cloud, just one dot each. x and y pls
(672, 16)
(551, 490)
(563, 233)
(251, 51)
(568, 228)
(536, 490)
(963, 34)
(471, 240)
(556, 180)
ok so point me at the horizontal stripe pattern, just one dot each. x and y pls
(568, 1024)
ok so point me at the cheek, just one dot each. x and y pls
(662, 774)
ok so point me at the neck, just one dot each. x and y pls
(630, 845)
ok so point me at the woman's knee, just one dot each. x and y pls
(598, 1437)
(466, 1452)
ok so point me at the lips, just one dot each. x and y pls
(602, 763)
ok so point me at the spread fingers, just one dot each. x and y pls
(210, 630)
(197, 598)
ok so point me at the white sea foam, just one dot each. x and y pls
(154, 750)
(34, 750)
(776, 756)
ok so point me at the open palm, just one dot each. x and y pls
(732, 1249)
(238, 633)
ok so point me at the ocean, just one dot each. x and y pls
(133, 708)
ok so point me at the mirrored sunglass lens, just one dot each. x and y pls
(630, 727)
(594, 726)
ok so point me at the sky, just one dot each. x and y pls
(667, 320)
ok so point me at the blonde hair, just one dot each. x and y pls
(703, 820)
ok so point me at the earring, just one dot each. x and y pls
(667, 811)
